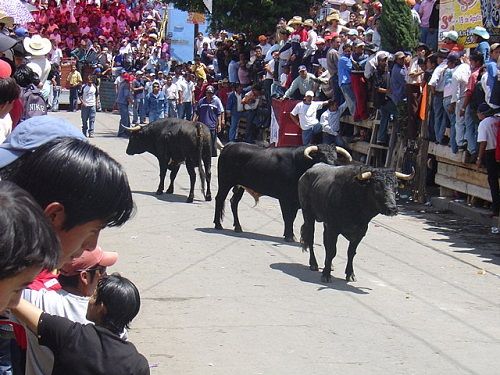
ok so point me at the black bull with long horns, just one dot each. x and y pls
(174, 141)
(273, 172)
(345, 199)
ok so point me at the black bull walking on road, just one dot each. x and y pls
(174, 141)
(269, 171)
(345, 199)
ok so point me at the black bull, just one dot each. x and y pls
(345, 199)
(268, 171)
(174, 141)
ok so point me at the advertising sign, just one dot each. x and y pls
(461, 16)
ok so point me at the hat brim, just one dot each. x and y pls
(46, 47)
(8, 156)
(6, 42)
(108, 259)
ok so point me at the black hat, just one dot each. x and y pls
(371, 47)
(422, 45)
(443, 53)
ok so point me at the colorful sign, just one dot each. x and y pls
(461, 16)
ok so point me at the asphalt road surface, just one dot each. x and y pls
(217, 302)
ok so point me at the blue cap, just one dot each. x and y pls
(21, 31)
(32, 133)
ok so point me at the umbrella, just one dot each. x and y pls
(17, 10)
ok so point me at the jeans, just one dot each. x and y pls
(429, 37)
(337, 140)
(171, 108)
(154, 115)
(250, 130)
(493, 169)
(388, 109)
(471, 124)
(124, 118)
(73, 97)
(459, 123)
(56, 92)
(233, 128)
(337, 93)
(88, 119)
(308, 134)
(451, 119)
(349, 97)
(138, 111)
(440, 118)
(186, 110)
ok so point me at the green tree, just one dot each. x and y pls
(253, 17)
(398, 29)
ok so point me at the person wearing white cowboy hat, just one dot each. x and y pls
(481, 37)
(295, 21)
(38, 47)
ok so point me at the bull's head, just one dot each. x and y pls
(327, 154)
(138, 142)
(383, 184)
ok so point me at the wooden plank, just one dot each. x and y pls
(471, 166)
(368, 124)
(445, 152)
(467, 175)
(463, 187)
(361, 147)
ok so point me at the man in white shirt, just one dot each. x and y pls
(304, 114)
(56, 54)
(88, 101)
(459, 80)
(78, 280)
(187, 89)
(173, 95)
(436, 84)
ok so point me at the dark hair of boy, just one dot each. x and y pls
(9, 90)
(25, 76)
(121, 299)
(26, 236)
(83, 178)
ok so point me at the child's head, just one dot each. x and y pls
(114, 304)
(27, 242)
(333, 105)
(484, 111)
(81, 189)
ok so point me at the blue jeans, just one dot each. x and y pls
(233, 128)
(451, 119)
(308, 134)
(56, 92)
(349, 97)
(337, 93)
(171, 108)
(337, 140)
(386, 111)
(88, 119)
(429, 37)
(250, 130)
(73, 97)
(186, 110)
(138, 111)
(124, 118)
(471, 124)
(440, 118)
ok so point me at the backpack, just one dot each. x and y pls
(33, 103)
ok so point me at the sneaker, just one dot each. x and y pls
(91, 135)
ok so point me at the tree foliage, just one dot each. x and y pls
(253, 17)
(398, 29)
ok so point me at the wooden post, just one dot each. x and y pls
(423, 148)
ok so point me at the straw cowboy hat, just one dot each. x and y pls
(5, 19)
(37, 46)
(296, 20)
(309, 22)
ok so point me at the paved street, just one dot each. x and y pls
(216, 302)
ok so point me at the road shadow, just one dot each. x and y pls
(303, 273)
(249, 235)
(461, 234)
(172, 198)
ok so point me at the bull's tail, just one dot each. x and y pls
(200, 145)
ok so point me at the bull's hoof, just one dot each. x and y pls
(208, 197)
(326, 278)
(170, 190)
(290, 238)
(350, 278)
(159, 192)
(313, 267)
(238, 229)
(218, 226)
(189, 199)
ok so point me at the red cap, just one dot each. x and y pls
(5, 69)
(89, 259)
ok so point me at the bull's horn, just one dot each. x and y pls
(343, 151)
(406, 177)
(133, 128)
(364, 176)
(308, 150)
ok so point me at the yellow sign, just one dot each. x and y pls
(461, 16)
